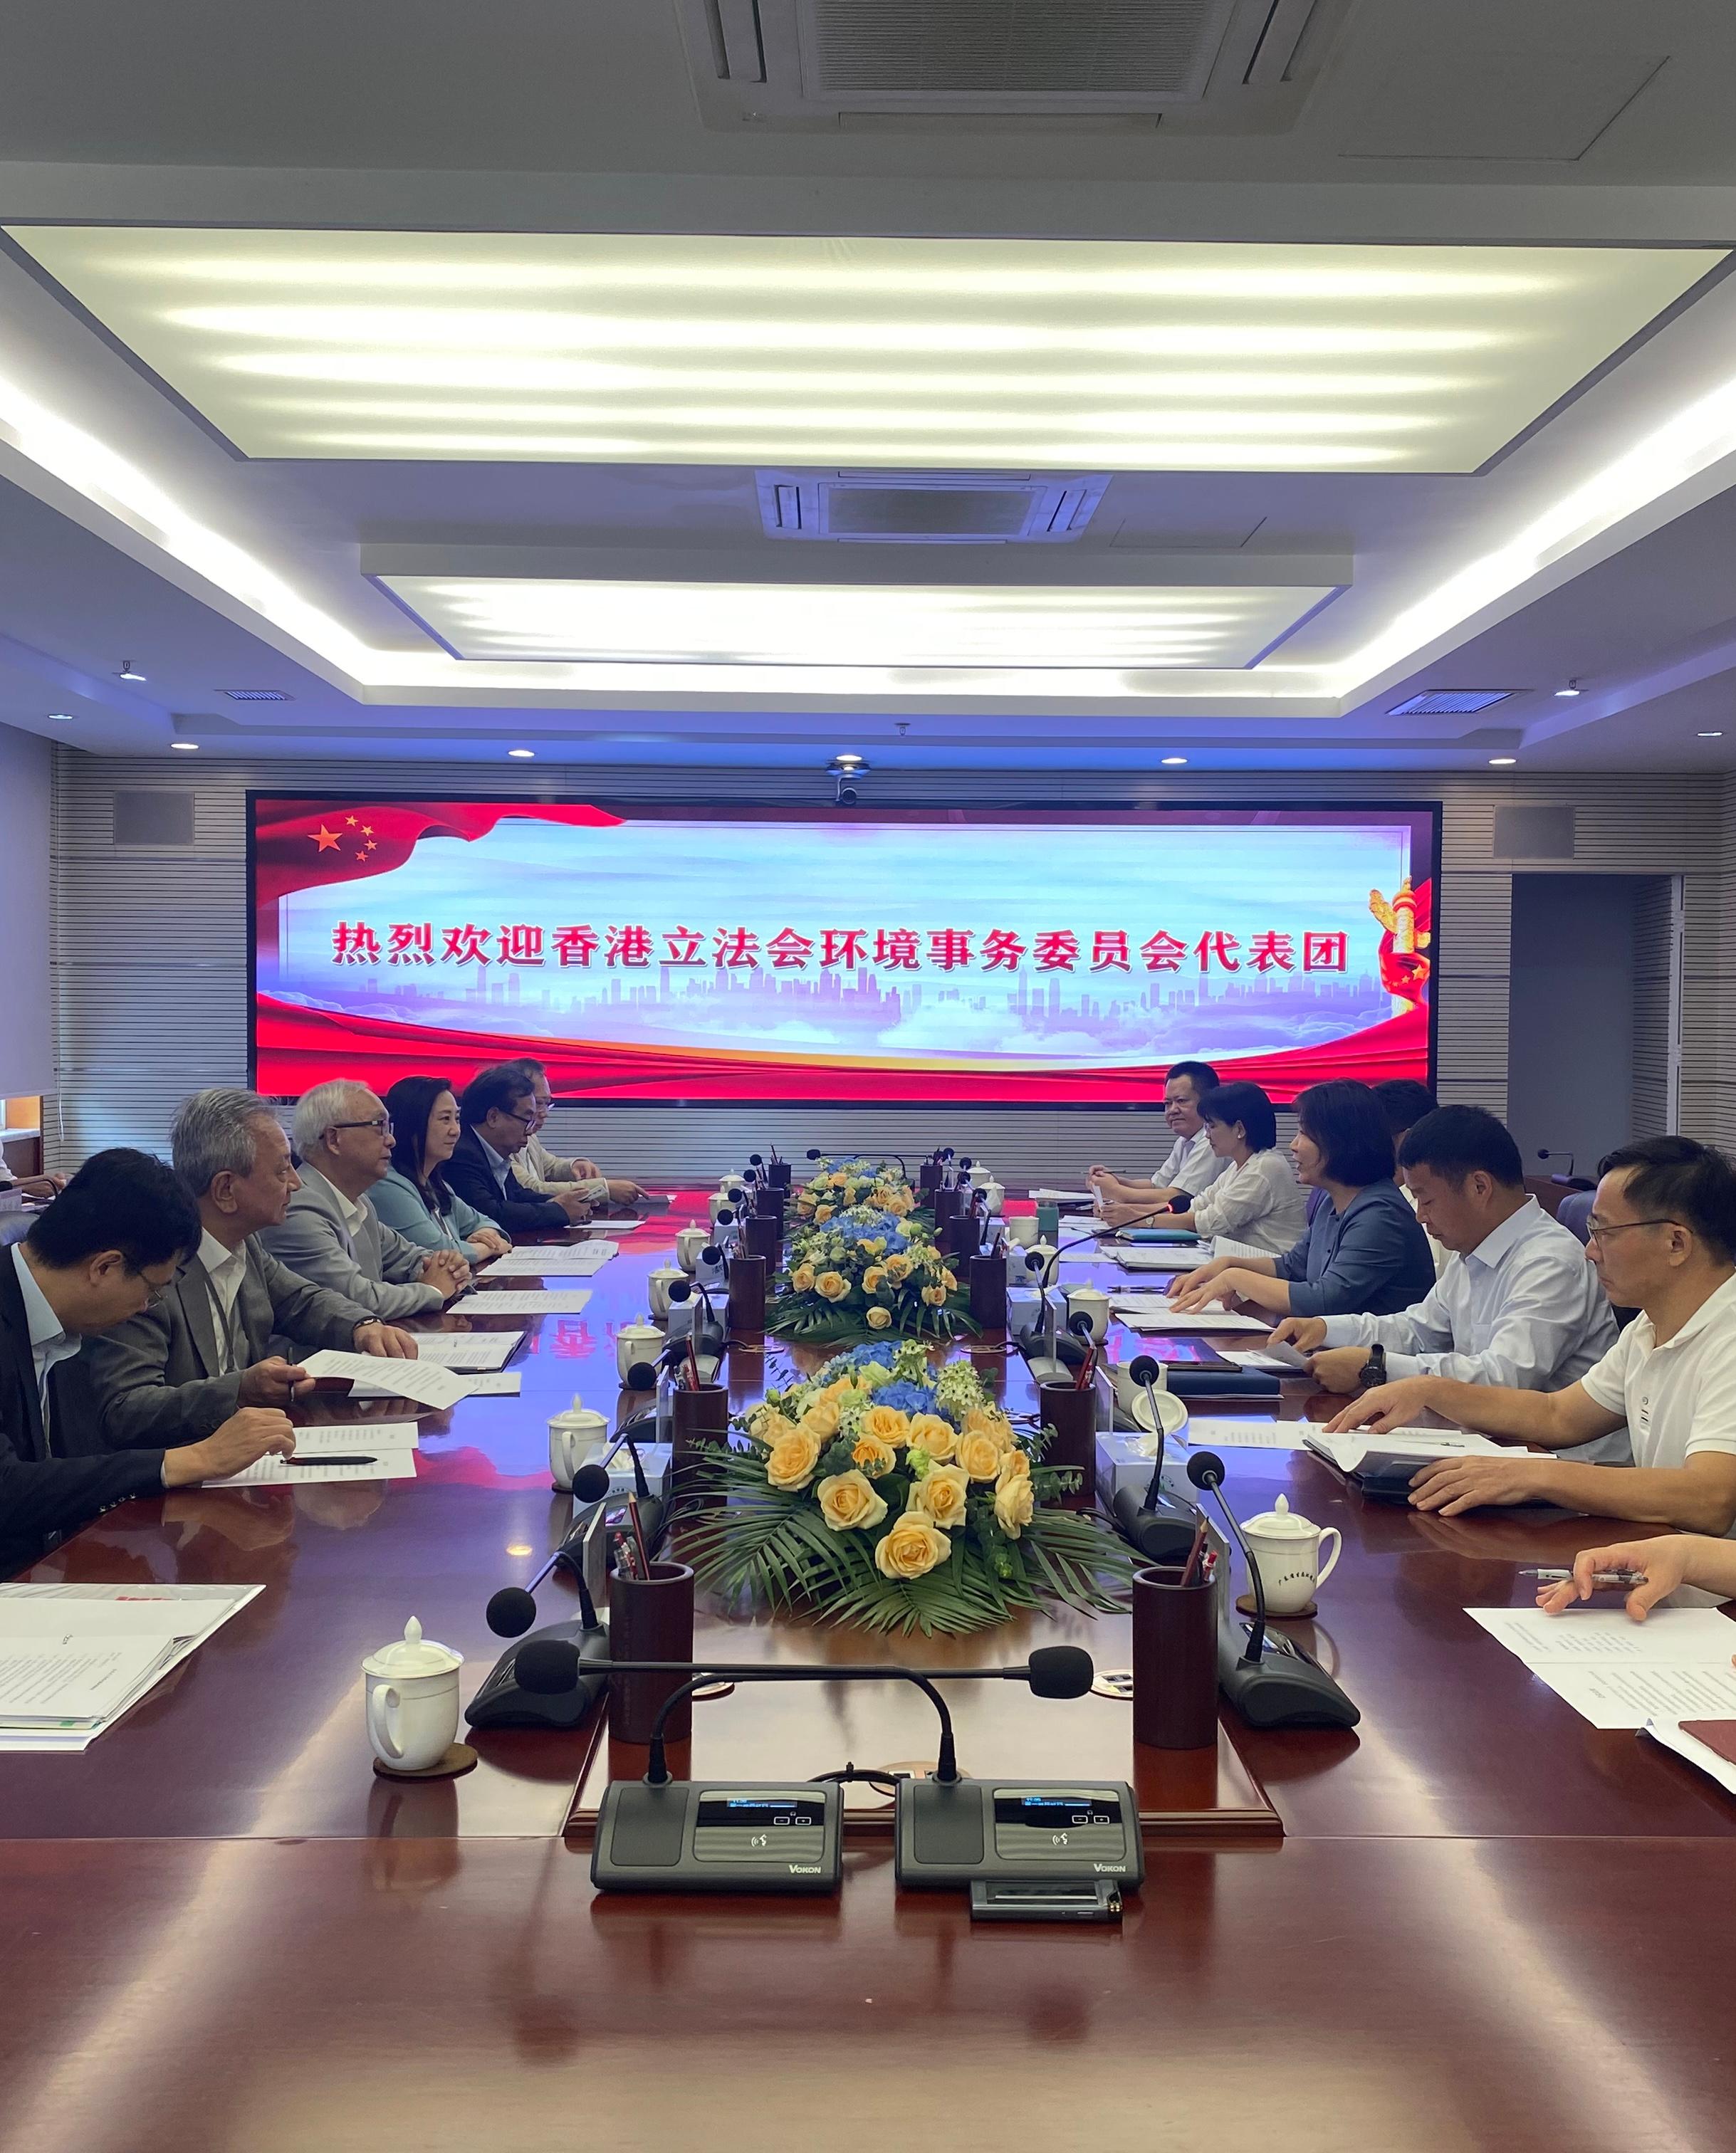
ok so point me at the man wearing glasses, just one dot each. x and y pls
(498, 1111)
(1663, 1241)
(331, 1234)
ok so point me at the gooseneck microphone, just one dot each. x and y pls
(1160, 1528)
(1271, 1681)
(513, 1609)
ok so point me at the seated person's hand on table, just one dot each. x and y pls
(40, 1187)
(1306, 1333)
(446, 1269)
(246, 1436)
(386, 1341)
(490, 1242)
(1453, 1484)
(1340, 1368)
(1128, 1210)
(272, 1382)
(576, 1208)
(625, 1192)
(1400, 1404)
(1665, 1562)
(1219, 1282)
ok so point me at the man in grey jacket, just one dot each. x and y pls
(178, 1370)
(331, 1234)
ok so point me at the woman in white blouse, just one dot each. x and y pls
(1258, 1201)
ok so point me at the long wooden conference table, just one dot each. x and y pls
(1475, 1923)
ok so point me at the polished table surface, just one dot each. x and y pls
(1486, 1922)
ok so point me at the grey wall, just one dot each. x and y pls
(150, 941)
(27, 1045)
(1571, 1012)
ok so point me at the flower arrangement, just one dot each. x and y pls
(885, 1492)
(846, 1185)
(867, 1269)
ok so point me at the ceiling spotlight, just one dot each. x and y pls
(847, 765)
(128, 671)
(1711, 735)
(184, 747)
(1175, 762)
(1502, 761)
(65, 718)
(1572, 688)
(522, 754)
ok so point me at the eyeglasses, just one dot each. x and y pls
(381, 1128)
(1594, 1232)
(526, 1118)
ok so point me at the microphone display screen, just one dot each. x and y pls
(758, 1813)
(1296, 939)
(1053, 1812)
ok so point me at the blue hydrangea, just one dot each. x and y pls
(907, 1397)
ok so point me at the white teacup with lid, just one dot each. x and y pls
(658, 1284)
(994, 1196)
(1286, 1545)
(573, 1437)
(636, 1343)
(688, 1242)
(412, 1700)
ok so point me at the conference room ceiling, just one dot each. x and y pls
(446, 392)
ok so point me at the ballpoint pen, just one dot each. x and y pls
(1609, 1579)
(326, 1457)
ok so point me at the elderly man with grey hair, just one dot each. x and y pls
(331, 1234)
(173, 1373)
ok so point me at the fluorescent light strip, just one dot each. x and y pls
(965, 354)
(843, 625)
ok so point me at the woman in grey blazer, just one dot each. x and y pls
(414, 1199)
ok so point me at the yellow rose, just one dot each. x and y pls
(934, 1295)
(1014, 1466)
(849, 1504)
(949, 1281)
(1014, 1505)
(822, 1212)
(990, 1421)
(821, 1419)
(832, 1285)
(886, 1424)
(930, 1433)
(874, 1456)
(980, 1455)
(876, 1247)
(766, 1423)
(897, 1269)
(793, 1458)
(801, 1278)
(911, 1549)
(879, 1319)
(941, 1493)
(872, 1277)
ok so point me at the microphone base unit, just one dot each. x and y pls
(500, 1702)
(952, 1835)
(699, 1836)
(1284, 1688)
(1162, 1534)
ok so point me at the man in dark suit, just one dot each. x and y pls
(497, 1110)
(180, 1368)
(106, 1246)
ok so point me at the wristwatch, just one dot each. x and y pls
(1374, 1371)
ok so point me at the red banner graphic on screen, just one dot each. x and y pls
(298, 844)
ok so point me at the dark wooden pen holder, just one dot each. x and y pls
(747, 1293)
(649, 1618)
(701, 1426)
(988, 1291)
(1072, 1414)
(1175, 1661)
(778, 1174)
(763, 1236)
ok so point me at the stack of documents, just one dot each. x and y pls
(357, 1450)
(1249, 1433)
(374, 1376)
(1348, 1451)
(74, 1658)
(1278, 1360)
(1617, 1672)
(468, 1349)
(1063, 1196)
(1154, 1311)
(553, 1300)
(1178, 1258)
(584, 1259)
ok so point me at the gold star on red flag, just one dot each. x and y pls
(327, 840)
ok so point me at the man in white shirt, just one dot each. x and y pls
(39, 1188)
(1191, 1165)
(546, 1171)
(1522, 1308)
(1663, 1240)
(331, 1234)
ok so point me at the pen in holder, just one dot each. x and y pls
(649, 1618)
(1072, 1413)
(1175, 1659)
(778, 1174)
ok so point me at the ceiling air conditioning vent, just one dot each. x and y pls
(257, 695)
(928, 508)
(1219, 65)
(1450, 702)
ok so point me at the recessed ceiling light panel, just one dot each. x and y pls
(961, 355)
(996, 625)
